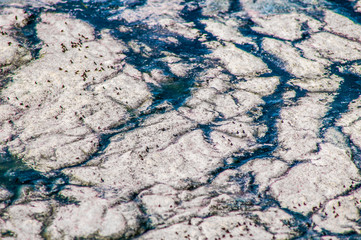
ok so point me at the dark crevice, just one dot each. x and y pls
(236, 6)
(345, 8)
(28, 32)
(356, 154)
(207, 130)
(14, 174)
(349, 90)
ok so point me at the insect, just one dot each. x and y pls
(84, 76)
(64, 48)
(84, 37)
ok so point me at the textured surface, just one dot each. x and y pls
(151, 119)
